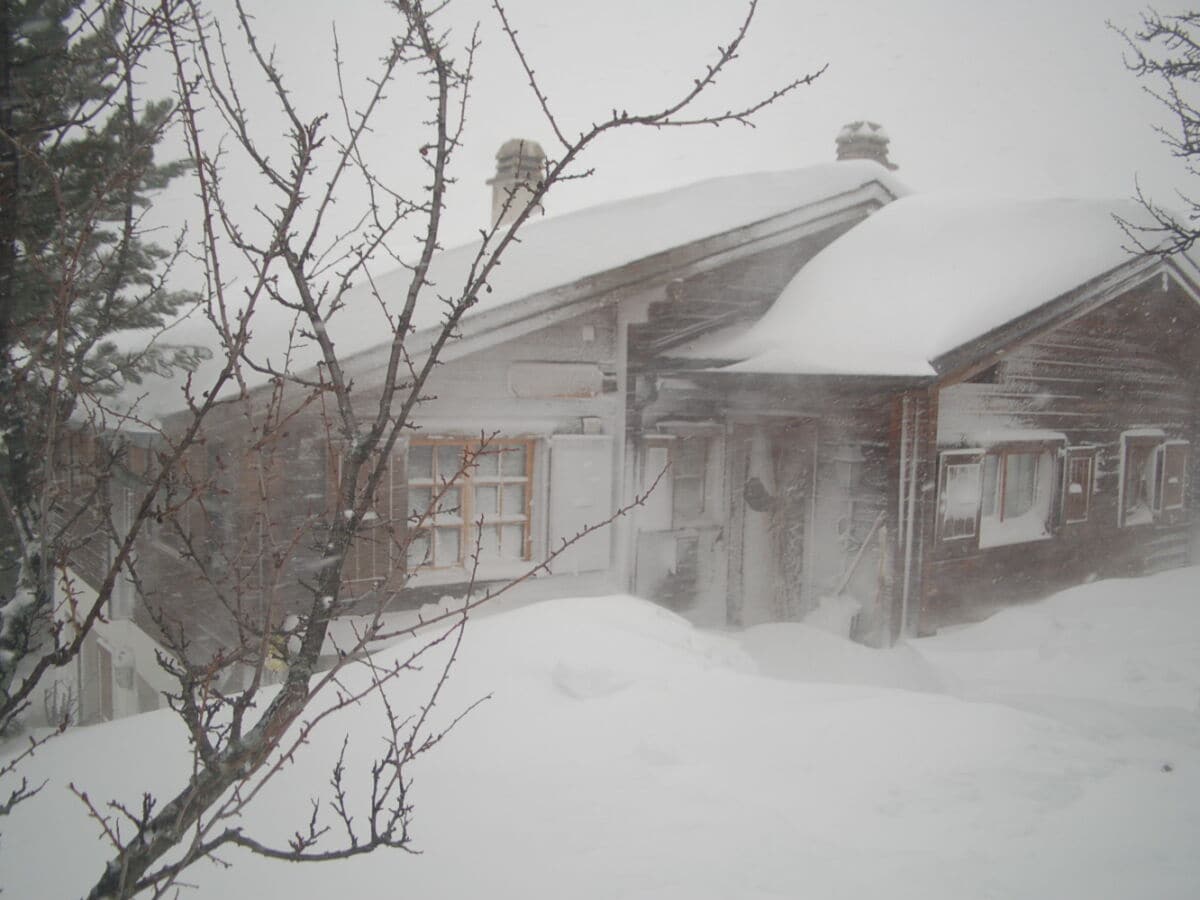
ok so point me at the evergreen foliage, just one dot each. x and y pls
(77, 268)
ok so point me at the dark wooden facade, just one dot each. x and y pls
(1118, 375)
(835, 485)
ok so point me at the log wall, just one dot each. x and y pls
(1130, 364)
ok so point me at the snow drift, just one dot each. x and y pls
(1052, 751)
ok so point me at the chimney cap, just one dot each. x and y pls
(863, 139)
(520, 168)
(520, 147)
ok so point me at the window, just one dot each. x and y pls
(370, 554)
(137, 460)
(1153, 476)
(1139, 475)
(689, 459)
(180, 523)
(960, 495)
(1174, 474)
(460, 499)
(1079, 478)
(1016, 495)
(1001, 495)
(76, 460)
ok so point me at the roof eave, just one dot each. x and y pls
(987, 349)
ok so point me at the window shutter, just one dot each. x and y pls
(368, 555)
(1173, 474)
(580, 496)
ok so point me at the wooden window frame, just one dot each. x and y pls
(467, 520)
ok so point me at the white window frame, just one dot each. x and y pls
(953, 459)
(1155, 444)
(1073, 454)
(992, 529)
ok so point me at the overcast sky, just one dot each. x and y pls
(1024, 97)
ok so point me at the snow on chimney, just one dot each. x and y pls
(864, 140)
(520, 165)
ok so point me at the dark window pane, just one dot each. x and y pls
(419, 500)
(420, 462)
(449, 461)
(1020, 483)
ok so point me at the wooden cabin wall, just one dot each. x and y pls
(1121, 367)
(253, 493)
(480, 390)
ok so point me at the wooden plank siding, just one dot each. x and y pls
(1130, 364)
(262, 519)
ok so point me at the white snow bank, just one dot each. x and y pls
(1131, 641)
(623, 753)
(926, 274)
(798, 652)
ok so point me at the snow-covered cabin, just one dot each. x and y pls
(958, 404)
(893, 410)
(543, 363)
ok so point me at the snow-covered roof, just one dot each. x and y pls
(558, 251)
(925, 275)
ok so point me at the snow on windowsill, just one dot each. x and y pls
(995, 436)
(487, 572)
(1030, 526)
(1143, 433)
(1141, 515)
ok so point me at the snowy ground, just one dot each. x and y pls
(1050, 752)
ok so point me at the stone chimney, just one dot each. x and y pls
(520, 165)
(864, 140)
